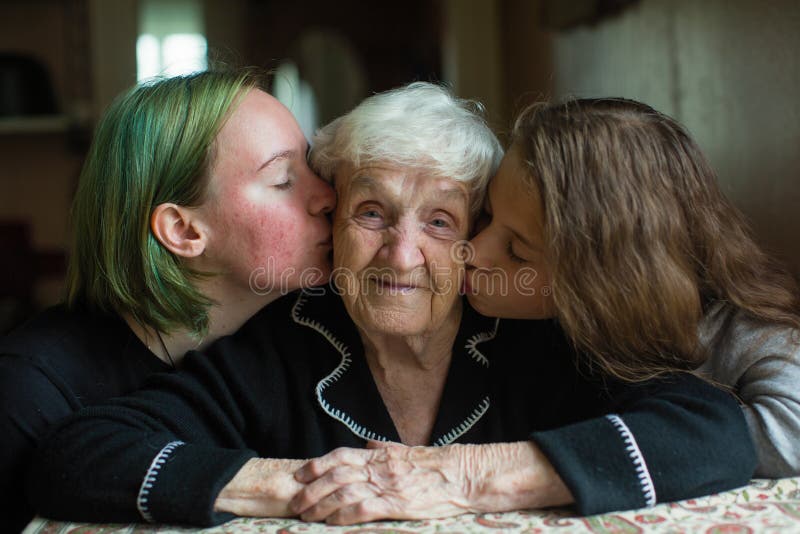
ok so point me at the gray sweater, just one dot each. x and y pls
(761, 363)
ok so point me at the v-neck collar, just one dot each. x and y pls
(349, 393)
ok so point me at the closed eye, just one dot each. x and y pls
(514, 257)
(288, 184)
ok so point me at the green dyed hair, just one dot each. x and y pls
(155, 144)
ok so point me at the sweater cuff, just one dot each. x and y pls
(184, 480)
(600, 462)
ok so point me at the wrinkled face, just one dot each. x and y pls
(265, 209)
(508, 274)
(394, 234)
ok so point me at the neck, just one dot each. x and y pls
(228, 313)
(410, 374)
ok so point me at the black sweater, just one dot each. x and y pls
(59, 362)
(293, 383)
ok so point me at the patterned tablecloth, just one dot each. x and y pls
(763, 506)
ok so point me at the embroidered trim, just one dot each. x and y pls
(346, 361)
(150, 479)
(454, 434)
(343, 366)
(648, 488)
(480, 338)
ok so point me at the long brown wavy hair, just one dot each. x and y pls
(642, 241)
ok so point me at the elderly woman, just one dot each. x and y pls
(390, 352)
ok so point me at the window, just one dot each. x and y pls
(297, 95)
(171, 38)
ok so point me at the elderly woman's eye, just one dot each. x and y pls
(440, 223)
(369, 217)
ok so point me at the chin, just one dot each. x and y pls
(481, 306)
(393, 324)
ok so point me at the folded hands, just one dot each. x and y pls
(393, 481)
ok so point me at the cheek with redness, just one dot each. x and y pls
(282, 233)
(269, 232)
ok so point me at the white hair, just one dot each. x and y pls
(420, 125)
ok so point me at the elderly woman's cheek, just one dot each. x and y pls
(353, 250)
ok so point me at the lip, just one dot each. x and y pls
(393, 287)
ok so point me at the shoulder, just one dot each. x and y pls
(540, 341)
(86, 355)
(61, 329)
(295, 323)
(42, 330)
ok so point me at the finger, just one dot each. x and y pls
(322, 487)
(372, 444)
(369, 509)
(317, 467)
(345, 496)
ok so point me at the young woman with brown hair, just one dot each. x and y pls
(643, 261)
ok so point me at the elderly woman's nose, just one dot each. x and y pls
(403, 250)
(322, 197)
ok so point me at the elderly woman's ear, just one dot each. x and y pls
(179, 229)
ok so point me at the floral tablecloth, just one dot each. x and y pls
(763, 506)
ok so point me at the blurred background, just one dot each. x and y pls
(728, 69)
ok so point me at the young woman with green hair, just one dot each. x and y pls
(176, 166)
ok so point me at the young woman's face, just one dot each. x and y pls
(265, 209)
(508, 274)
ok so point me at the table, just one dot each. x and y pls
(763, 506)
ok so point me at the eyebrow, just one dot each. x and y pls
(285, 154)
(367, 182)
(454, 192)
(363, 181)
(524, 240)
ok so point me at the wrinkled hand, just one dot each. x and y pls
(263, 487)
(386, 481)
(392, 481)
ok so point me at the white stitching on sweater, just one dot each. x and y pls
(476, 414)
(480, 338)
(648, 488)
(150, 479)
(337, 414)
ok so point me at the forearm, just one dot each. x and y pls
(263, 487)
(107, 472)
(511, 476)
(670, 439)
